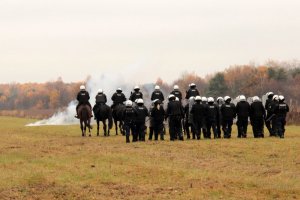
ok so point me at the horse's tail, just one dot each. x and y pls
(84, 113)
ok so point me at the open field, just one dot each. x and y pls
(57, 163)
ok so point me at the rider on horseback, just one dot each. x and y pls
(100, 97)
(118, 97)
(100, 100)
(136, 94)
(83, 98)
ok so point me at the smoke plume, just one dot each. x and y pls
(108, 82)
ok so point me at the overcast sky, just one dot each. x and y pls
(41, 40)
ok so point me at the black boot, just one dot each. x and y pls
(127, 139)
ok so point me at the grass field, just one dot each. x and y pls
(55, 162)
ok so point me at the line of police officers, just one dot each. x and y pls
(200, 115)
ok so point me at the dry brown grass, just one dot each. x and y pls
(56, 163)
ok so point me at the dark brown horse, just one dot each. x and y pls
(103, 112)
(85, 119)
(117, 113)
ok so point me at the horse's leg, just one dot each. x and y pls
(81, 127)
(89, 127)
(116, 125)
(122, 128)
(104, 127)
(98, 126)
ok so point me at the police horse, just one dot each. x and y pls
(102, 113)
(85, 119)
(117, 114)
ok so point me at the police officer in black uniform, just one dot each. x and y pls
(175, 114)
(157, 94)
(192, 92)
(129, 117)
(118, 97)
(269, 113)
(280, 111)
(272, 106)
(212, 111)
(228, 114)
(100, 99)
(176, 92)
(142, 113)
(243, 112)
(158, 115)
(136, 94)
(199, 114)
(83, 98)
(257, 115)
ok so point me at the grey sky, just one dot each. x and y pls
(41, 40)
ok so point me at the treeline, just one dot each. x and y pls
(50, 95)
(249, 80)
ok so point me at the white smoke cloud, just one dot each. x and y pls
(65, 117)
(108, 82)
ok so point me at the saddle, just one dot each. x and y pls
(81, 107)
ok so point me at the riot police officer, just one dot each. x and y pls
(243, 112)
(257, 115)
(199, 113)
(83, 98)
(269, 113)
(157, 114)
(100, 99)
(118, 97)
(212, 117)
(280, 111)
(228, 114)
(176, 92)
(157, 94)
(129, 117)
(175, 114)
(192, 92)
(142, 113)
(136, 94)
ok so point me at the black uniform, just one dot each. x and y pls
(142, 113)
(157, 94)
(269, 114)
(178, 94)
(136, 95)
(243, 112)
(280, 111)
(118, 98)
(199, 113)
(212, 116)
(192, 92)
(101, 99)
(129, 117)
(228, 114)
(175, 115)
(158, 115)
(257, 115)
(83, 98)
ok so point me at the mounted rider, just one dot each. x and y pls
(83, 98)
(100, 100)
(118, 98)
